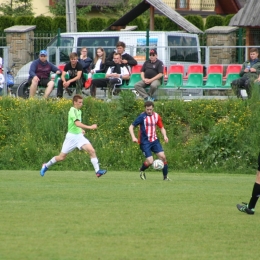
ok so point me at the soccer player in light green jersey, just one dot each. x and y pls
(75, 139)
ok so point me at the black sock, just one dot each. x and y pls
(165, 169)
(144, 166)
(255, 195)
(258, 162)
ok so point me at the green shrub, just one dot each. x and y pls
(110, 21)
(204, 135)
(96, 24)
(58, 22)
(214, 20)
(169, 25)
(139, 22)
(43, 23)
(158, 23)
(24, 20)
(227, 19)
(5, 22)
(82, 24)
(196, 20)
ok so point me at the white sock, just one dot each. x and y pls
(50, 162)
(95, 164)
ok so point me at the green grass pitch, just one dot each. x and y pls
(74, 215)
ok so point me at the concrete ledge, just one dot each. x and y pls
(20, 28)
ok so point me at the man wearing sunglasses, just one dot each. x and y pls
(39, 74)
(151, 74)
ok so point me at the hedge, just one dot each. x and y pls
(204, 135)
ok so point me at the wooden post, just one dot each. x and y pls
(151, 18)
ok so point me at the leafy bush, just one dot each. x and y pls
(59, 22)
(214, 20)
(169, 25)
(24, 20)
(158, 23)
(43, 23)
(96, 24)
(82, 24)
(196, 20)
(204, 135)
(139, 22)
(5, 22)
(227, 19)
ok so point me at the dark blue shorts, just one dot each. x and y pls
(151, 147)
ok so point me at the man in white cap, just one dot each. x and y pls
(39, 74)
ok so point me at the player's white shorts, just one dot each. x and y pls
(73, 141)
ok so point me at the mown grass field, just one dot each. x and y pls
(74, 215)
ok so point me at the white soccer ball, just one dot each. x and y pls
(158, 164)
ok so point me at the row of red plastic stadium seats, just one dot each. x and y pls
(197, 68)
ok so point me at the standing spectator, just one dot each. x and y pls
(39, 74)
(74, 71)
(151, 74)
(75, 139)
(249, 72)
(114, 76)
(250, 208)
(127, 59)
(149, 143)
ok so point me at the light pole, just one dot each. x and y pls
(71, 16)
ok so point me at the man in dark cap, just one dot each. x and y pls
(39, 74)
(151, 74)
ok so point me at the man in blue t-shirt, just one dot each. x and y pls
(151, 74)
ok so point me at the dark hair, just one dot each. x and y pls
(76, 98)
(148, 104)
(122, 44)
(253, 50)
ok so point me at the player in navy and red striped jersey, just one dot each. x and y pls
(149, 143)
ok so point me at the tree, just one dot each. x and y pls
(17, 8)
(59, 9)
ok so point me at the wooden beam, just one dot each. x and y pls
(151, 18)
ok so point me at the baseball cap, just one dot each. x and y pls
(153, 51)
(43, 52)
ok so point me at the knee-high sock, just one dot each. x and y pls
(95, 164)
(165, 169)
(255, 196)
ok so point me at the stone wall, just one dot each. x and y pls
(222, 36)
(20, 40)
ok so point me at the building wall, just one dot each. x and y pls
(207, 5)
(41, 7)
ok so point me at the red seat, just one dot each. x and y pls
(137, 68)
(194, 68)
(214, 68)
(177, 68)
(233, 68)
